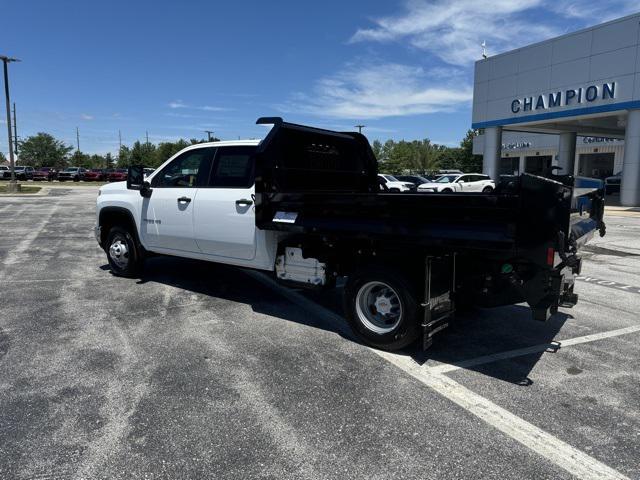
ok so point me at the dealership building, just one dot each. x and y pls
(572, 101)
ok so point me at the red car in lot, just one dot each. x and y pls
(118, 175)
(44, 173)
(95, 175)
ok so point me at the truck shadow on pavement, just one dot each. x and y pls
(473, 334)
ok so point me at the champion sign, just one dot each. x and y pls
(565, 98)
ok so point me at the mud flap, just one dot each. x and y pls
(439, 307)
(558, 287)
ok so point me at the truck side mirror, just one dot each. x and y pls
(136, 181)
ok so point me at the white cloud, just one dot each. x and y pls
(177, 104)
(85, 116)
(383, 90)
(207, 108)
(454, 30)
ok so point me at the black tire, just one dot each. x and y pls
(447, 190)
(403, 331)
(133, 255)
(487, 190)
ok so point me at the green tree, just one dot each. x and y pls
(142, 153)
(96, 161)
(377, 149)
(468, 162)
(424, 156)
(2, 158)
(124, 157)
(109, 161)
(166, 150)
(79, 159)
(43, 150)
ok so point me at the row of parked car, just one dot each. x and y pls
(447, 181)
(72, 174)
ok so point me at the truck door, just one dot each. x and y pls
(167, 216)
(224, 216)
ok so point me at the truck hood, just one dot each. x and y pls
(115, 186)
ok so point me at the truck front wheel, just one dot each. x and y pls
(123, 253)
(382, 308)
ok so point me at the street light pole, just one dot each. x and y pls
(209, 133)
(359, 127)
(5, 61)
(15, 130)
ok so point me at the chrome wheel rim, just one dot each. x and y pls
(119, 252)
(378, 307)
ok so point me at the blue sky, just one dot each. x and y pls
(174, 69)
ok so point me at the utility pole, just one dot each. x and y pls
(15, 131)
(147, 134)
(13, 186)
(78, 138)
(209, 133)
(359, 127)
(119, 143)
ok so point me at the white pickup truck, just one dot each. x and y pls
(305, 204)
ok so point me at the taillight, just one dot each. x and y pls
(551, 255)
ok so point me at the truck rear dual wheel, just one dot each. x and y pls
(382, 308)
(123, 253)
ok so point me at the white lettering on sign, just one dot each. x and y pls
(564, 98)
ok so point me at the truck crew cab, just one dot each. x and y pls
(305, 204)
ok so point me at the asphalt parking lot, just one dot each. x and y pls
(204, 371)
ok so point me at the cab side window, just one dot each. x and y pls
(233, 167)
(185, 171)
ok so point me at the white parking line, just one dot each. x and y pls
(543, 443)
(553, 449)
(556, 344)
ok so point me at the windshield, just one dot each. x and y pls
(447, 179)
(71, 169)
(390, 178)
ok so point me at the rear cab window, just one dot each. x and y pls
(233, 167)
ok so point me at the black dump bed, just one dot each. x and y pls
(310, 180)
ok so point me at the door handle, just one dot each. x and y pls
(243, 202)
(184, 200)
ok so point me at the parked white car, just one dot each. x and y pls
(467, 182)
(395, 185)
